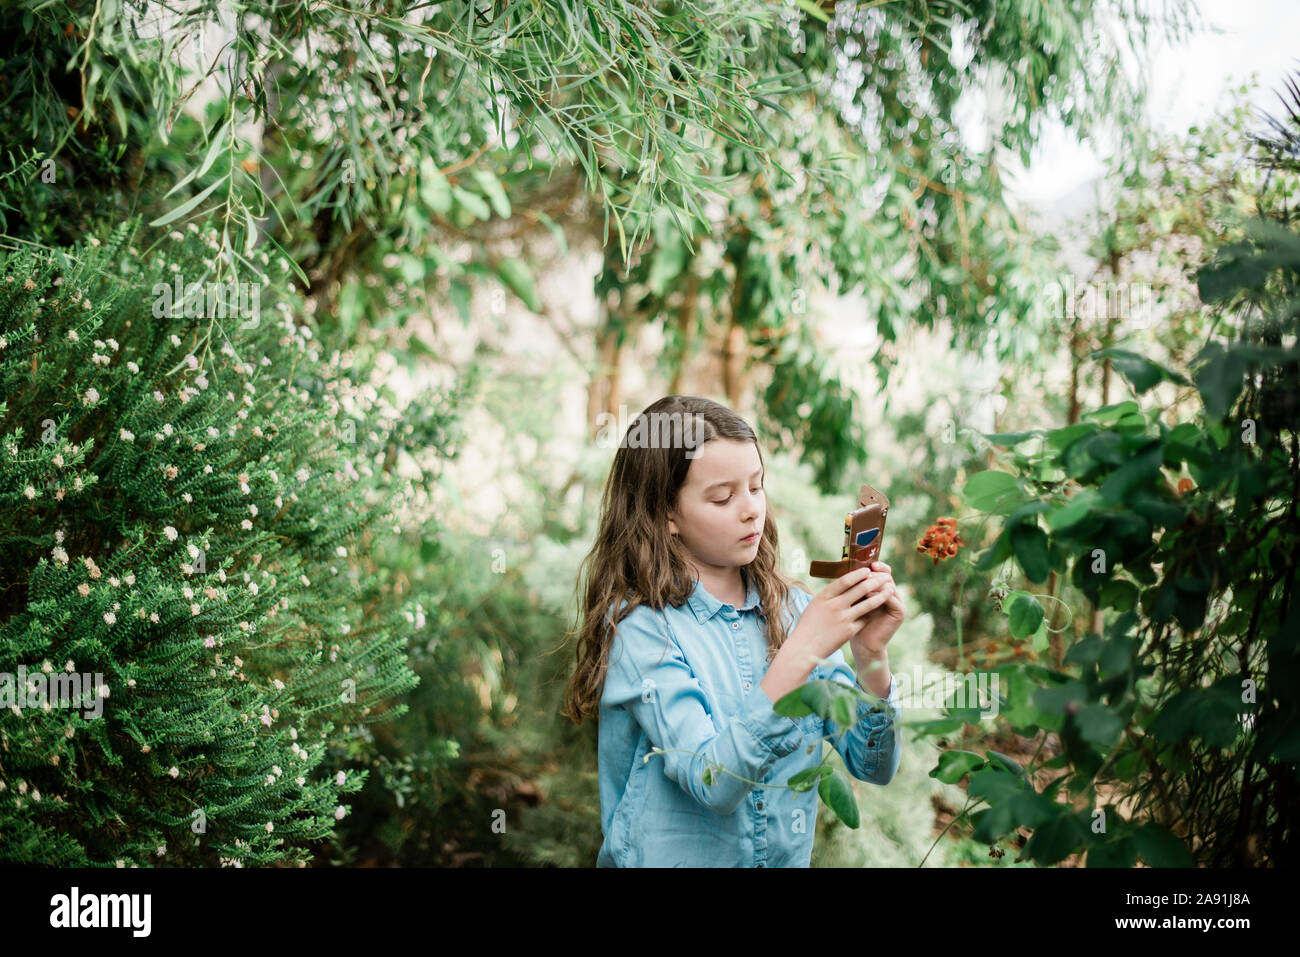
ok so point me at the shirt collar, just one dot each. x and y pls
(705, 606)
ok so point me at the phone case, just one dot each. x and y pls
(864, 528)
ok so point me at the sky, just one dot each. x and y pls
(1187, 83)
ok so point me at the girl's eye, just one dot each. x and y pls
(728, 498)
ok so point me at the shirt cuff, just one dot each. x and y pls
(777, 732)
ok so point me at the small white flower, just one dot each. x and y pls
(246, 525)
(174, 771)
(253, 509)
(339, 812)
(126, 435)
(110, 618)
(188, 592)
(188, 498)
(58, 459)
(30, 492)
(252, 586)
(129, 578)
(92, 396)
(170, 532)
(194, 609)
(305, 580)
(302, 475)
(176, 340)
(279, 685)
(60, 555)
(300, 780)
(72, 334)
(113, 344)
(341, 552)
(340, 779)
(167, 428)
(153, 616)
(207, 470)
(135, 369)
(269, 827)
(158, 396)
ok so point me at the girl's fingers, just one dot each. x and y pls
(881, 567)
(869, 604)
(845, 582)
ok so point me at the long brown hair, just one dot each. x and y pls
(635, 558)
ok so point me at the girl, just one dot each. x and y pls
(678, 651)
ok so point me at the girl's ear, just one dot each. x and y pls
(672, 525)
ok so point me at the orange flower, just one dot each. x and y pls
(941, 539)
(1185, 485)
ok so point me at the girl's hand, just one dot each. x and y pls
(870, 639)
(835, 614)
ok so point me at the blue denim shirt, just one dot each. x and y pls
(686, 679)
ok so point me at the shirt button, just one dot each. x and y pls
(746, 684)
(760, 805)
(758, 865)
(735, 624)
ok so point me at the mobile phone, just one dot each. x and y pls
(864, 531)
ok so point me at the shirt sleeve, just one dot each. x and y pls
(649, 675)
(870, 749)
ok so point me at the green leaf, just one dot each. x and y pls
(1009, 439)
(460, 294)
(1098, 724)
(838, 795)
(516, 274)
(435, 191)
(1029, 544)
(955, 764)
(805, 779)
(1024, 614)
(1053, 840)
(1109, 414)
(1160, 847)
(819, 695)
(844, 709)
(1137, 472)
(1120, 853)
(471, 203)
(185, 207)
(491, 187)
(1138, 369)
(1220, 379)
(993, 491)
(1075, 509)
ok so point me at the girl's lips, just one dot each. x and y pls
(751, 538)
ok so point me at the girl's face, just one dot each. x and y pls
(721, 502)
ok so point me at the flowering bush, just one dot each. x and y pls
(188, 508)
